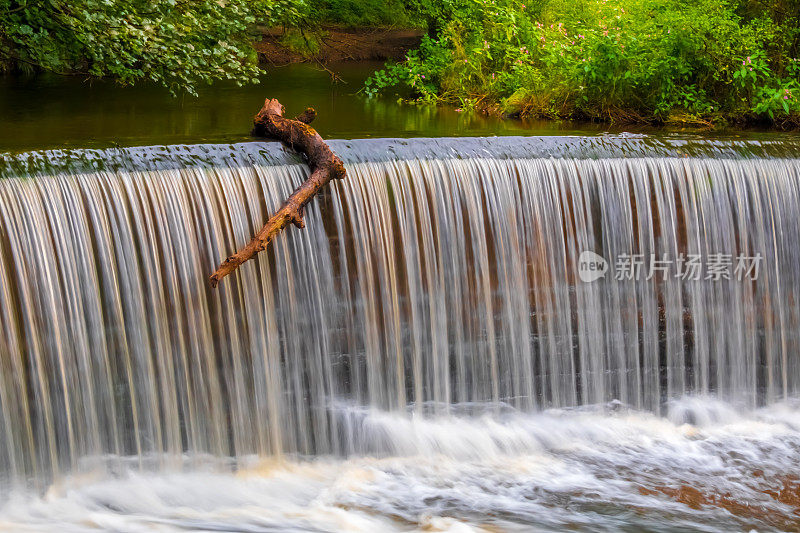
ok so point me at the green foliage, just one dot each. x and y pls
(630, 60)
(769, 94)
(305, 44)
(288, 13)
(177, 43)
(363, 12)
(357, 13)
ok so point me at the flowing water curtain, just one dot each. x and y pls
(426, 285)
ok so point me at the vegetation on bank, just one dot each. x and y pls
(356, 13)
(698, 61)
(177, 43)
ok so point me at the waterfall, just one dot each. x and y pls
(442, 276)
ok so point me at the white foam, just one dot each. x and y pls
(593, 469)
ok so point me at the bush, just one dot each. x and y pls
(357, 13)
(629, 60)
(177, 43)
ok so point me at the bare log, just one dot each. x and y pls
(324, 166)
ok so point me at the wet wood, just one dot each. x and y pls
(269, 122)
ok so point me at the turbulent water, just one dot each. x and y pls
(432, 352)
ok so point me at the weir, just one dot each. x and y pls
(442, 277)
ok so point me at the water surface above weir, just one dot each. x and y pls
(55, 112)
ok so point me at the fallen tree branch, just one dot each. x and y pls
(324, 166)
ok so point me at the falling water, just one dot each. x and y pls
(439, 281)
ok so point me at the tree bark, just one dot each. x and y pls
(324, 166)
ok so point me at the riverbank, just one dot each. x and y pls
(333, 44)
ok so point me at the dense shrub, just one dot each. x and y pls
(698, 61)
(368, 12)
(358, 13)
(178, 43)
